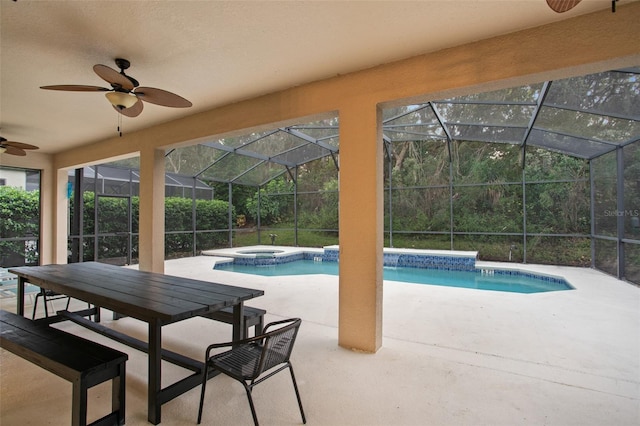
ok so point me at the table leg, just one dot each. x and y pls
(20, 298)
(155, 372)
(238, 322)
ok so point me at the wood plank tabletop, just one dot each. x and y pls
(140, 294)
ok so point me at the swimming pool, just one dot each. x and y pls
(483, 279)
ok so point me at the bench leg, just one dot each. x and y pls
(257, 329)
(118, 397)
(118, 393)
(79, 403)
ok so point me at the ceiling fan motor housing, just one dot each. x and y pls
(123, 64)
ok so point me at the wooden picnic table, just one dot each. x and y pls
(154, 298)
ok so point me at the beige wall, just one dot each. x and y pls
(586, 44)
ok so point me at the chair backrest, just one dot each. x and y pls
(278, 344)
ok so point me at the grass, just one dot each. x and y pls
(285, 237)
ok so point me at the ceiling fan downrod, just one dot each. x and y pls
(124, 64)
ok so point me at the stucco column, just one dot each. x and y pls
(54, 199)
(361, 227)
(151, 221)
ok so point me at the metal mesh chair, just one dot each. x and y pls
(48, 296)
(248, 359)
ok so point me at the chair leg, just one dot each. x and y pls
(42, 293)
(250, 398)
(35, 304)
(204, 385)
(295, 387)
(44, 302)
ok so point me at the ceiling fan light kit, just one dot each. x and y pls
(121, 100)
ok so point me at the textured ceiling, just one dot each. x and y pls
(215, 52)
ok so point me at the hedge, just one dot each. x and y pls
(19, 210)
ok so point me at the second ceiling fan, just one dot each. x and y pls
(561, 6)
(126, 93)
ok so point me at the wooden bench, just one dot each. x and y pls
(253, 317)
(82, 362)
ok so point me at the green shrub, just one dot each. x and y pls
(113, 215)
(20, 213)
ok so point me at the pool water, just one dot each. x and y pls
(497, 280)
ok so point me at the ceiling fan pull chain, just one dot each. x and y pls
(120, 125)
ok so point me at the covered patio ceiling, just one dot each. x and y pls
(215, 53)
(583, 117)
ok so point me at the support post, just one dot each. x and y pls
(78, 212)
(620, 216)
(592, 199)
(295, 208)
(152, 210)
(61, 215)
(194, 227)
(361, 227)
(230, 211)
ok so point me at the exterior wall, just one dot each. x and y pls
(14, 178)
(586, 44)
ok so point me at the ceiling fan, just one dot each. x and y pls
(561, 6)
(14, 148)
(125, 93)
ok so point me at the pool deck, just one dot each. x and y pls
(450, 356)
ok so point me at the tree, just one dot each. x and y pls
(274, 199)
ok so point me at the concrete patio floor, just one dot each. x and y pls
(450, 356)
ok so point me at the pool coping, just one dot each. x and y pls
(272, 254)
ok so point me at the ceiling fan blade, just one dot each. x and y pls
(14, 151)
(113, 77)
(161, 97)
(562, 5)
(133, 111)
(19, 145)
(76, 88)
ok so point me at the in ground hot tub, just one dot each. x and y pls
(261, 256)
